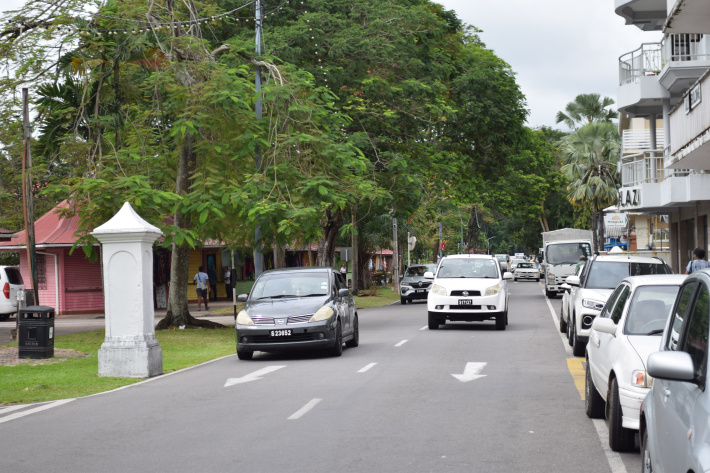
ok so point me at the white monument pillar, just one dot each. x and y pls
(130, 349)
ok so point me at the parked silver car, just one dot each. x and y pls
(10, 283)
(674, 415)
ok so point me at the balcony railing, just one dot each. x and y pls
(650, 58)
(644, 61)
(647, 168)
(638, 140)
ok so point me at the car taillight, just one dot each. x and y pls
(6, 290)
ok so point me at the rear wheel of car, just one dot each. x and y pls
(337, 349)
(645, 454)
(4, 317)
(500, 321)
(577, 345)
(593, 402)
(245, 354)
(355, 341)
(402, 300)
(433, 322)
(620, 439)
(563, 324)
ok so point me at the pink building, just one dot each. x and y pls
(68, 282)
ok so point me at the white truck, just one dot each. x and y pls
(560, 253)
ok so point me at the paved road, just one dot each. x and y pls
(391, 405)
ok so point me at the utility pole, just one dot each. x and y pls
(356, 270)
(395, 272)
(28, 203)
(258, 254)
(439, 241)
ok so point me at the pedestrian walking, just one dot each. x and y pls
(698, 261)
(212, 274)
(227, 281)
(202, 281)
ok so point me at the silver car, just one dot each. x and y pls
(414, 285)
(674, 416)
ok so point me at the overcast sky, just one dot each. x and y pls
(557, 48)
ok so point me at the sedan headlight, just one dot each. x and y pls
(592, 304)
(244, 319)
(438, 290)
(493, 290)
(640, 379)
(324, 313)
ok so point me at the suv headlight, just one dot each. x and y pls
(244, 319)
(438, 290)
(493, 290)
(324, 313)
(592, 304)
(404, 284)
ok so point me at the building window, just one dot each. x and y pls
(41, 263)
(693, 98)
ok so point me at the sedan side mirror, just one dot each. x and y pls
(573, 280)
(343, 292)
(507, 275)
(428, 275)
(671, 365)
(242, 297)
(604, 325)
(566, 287)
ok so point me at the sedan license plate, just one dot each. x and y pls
(465, 302)
(280, 333)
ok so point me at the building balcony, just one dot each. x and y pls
(648, 15)
(648, 186)
(634, 141)
(690, 128)
(687, 16)
(684, 58)
(640, 93)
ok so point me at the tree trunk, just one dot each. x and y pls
(326, 244)
(279, 256)
(543, 218)
(178, 313)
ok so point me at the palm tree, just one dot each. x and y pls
(586, 109)
(589, 155)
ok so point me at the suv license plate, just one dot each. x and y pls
(465, 302)
(280, 333)
(421, 290)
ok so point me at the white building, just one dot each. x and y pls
(667, 124)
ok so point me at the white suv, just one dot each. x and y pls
(10, 283)
(468, 288)
(590, 290)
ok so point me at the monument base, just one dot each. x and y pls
(130, 358)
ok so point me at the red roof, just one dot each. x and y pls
(50, 229)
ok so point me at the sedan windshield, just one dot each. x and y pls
(468, 268)
(296, 284)
(650, 309)
(608, 274)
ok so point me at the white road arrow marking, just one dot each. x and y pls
(252, 376)
(471, 372)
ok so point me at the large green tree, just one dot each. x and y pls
(585, 109)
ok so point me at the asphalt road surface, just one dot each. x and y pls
(464, 398)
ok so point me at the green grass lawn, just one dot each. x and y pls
(76, 377)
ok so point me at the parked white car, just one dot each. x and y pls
(674, 419)
(627, 330)
(594, 285)
(514, 264)
(10, 283)
(565, 307)
(468, 288)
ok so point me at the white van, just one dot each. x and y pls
(10, 283)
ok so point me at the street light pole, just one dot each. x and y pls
(488, 244)
(258, 254)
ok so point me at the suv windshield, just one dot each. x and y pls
(567, 253)
(294, 284)
(414, 271)
(468, 268)
(525, 265)
(608, 274)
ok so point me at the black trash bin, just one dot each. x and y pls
(36, 332)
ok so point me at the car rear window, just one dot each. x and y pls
(608, 274)
(13, 276)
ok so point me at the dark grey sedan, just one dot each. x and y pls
(297, 309)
